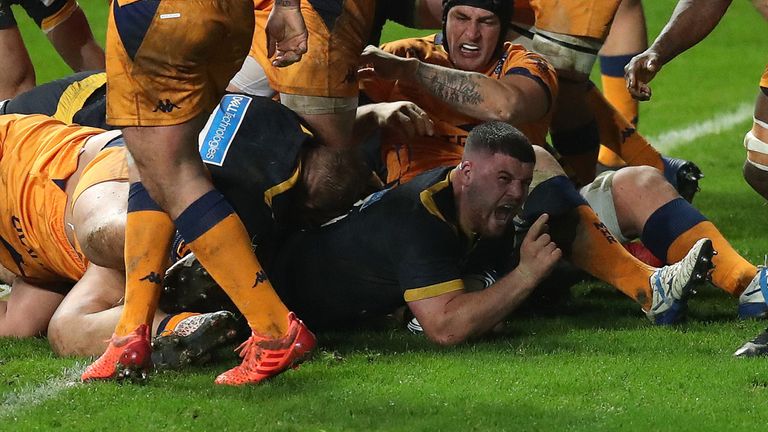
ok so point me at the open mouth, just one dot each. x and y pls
(469, 48)
(504, 213)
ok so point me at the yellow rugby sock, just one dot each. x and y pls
(148, 233)
(222, 245)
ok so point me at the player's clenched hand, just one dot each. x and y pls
(639, 72)
(405, 118)
(286, 33)
(377, 63)
(538, 253)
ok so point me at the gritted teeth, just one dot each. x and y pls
(469, 47)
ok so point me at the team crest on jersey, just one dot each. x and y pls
(219, 132)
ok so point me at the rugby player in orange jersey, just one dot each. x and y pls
(418, 75)
(62, 225)
(569, 35)
(266, 149)
(160, 98)
(323, 87)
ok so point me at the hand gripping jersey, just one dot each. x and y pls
(338, 31)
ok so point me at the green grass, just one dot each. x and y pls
(591, 362)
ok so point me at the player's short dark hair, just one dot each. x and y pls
(332, 181)
(499, 137)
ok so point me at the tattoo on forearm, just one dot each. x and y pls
(452, 88)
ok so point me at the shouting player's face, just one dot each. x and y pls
(472, 34)
(494, 190)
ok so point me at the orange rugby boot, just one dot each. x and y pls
(126, 357)
(264, 358)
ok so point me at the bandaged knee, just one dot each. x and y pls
(567, 53)
(757, 151)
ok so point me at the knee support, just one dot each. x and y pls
(757, 150)
(567, 53)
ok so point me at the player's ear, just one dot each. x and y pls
(465, 169)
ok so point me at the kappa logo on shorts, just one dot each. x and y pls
(166, 106)
(219, 133)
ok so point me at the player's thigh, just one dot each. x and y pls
(18, 74)
(100, 289)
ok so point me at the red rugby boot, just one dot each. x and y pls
(126, 357)
(264, 358)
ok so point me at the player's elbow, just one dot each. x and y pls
(447, 335)
(503, 112)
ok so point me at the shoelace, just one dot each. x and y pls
(248, 350)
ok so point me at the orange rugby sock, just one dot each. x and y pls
(615, 90)
(222, 245)
(585, 240)
(596, 251)
(732, 273)
(169, 323)
(673, 228)
(620, 136)
(615, 87)
(148, 233)
(610, 158)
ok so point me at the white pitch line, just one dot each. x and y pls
(32, 396)
(719, 123)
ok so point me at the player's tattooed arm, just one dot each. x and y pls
(451, 86)
(513, 99)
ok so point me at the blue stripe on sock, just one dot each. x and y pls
(164, 323)
(202, 215)
(613, 66)
(667, 223)
(139, 199)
